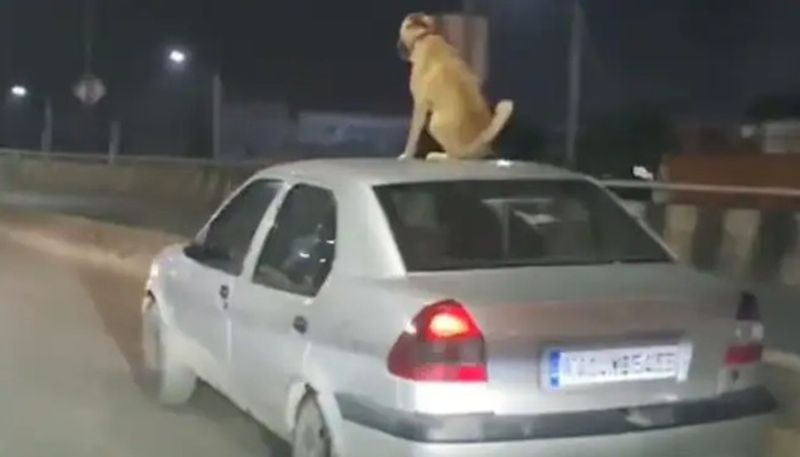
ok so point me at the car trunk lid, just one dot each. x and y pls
(529, 314)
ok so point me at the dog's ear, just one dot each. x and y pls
(421, 20)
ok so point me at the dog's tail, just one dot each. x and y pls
(502, 114)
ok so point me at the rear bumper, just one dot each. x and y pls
(738, 438)
(488, 428)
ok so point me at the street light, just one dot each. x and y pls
(19, 91)
(177, 57)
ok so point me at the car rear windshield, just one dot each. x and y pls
(494, 224)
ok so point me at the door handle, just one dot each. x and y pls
(224, 293)
(300, 324)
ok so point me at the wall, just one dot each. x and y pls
(745, 244)
(163, 183)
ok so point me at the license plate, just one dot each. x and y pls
(604, 366)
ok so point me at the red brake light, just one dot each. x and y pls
(743, 355)
(443, 343)
(448, 320)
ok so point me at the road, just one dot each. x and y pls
(68, 341)
(115, 209)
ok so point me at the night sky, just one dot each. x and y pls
(704, 57)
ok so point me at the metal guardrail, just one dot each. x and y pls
(702, 188)
(610, 183)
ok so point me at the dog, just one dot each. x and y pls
(447, 96)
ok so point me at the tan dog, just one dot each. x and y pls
(447, 95)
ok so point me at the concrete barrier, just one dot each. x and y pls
(743, 244)
(166, 183)
(782, 376)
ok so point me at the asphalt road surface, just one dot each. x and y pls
(68, 341)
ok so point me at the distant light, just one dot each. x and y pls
(643, 173)
(177, 56)
(503, 163)
(19, 91)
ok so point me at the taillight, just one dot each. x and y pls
(749, 343)
(743, 354)
(441, 344)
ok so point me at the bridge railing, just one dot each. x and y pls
(757, 238)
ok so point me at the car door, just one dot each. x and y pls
(202, 293)
(270, 314)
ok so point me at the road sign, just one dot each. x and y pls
(89, 89)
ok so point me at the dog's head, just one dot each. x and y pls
(414, 27)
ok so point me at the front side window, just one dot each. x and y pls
(299, 251)
(493, 224)
(228, 236)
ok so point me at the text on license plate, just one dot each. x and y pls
(603, 366)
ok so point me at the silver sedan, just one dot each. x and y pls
(384, 308)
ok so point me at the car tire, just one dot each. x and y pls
(311, 436)
(163, 376)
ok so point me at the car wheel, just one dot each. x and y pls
(163, 375)
(311, 437)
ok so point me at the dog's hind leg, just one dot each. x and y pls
(502, 115)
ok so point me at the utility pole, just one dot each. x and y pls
(47, 130)
(217, 95)
(469, 10)
(114, 140)
(574, 71)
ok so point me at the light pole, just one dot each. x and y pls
(19, 91)
(574, 72)
(178, 59)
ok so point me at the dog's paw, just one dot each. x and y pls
(436, 157)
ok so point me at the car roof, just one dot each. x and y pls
(392, 171)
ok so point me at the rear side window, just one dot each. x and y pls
(298, 253)
(493, 224)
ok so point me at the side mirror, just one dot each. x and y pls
(194, 251)
(205, 253)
